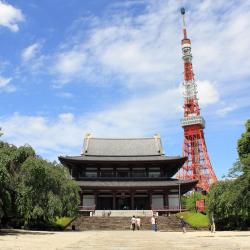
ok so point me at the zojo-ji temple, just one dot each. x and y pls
(127, 174)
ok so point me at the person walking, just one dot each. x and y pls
(133, 221)
(183, 225)
(153, 223)
(138, 223)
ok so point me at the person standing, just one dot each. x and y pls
(156, 223)
(212, 223)
(183, 225)
(138, 223)
(133, 221)
(153, 221)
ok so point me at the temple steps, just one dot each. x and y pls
(85, 223)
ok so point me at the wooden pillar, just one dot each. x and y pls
(161, 172)
(96, 195)
(150, 198)
(114, 200)
(132, 200)
(179, 186)
(166, 198)
(81, 198)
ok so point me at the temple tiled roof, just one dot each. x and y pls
(158, 158)
(123, 147)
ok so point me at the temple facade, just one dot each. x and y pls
(127, 174)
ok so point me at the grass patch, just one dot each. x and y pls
(194, 219)
(63, 221)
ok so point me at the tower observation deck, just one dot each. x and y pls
(198, 165)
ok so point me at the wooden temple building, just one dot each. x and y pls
(119, 174)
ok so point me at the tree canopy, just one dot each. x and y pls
(244, 146)
(229, 200)
(33, 190)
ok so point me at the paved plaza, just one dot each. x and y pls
(121, 240)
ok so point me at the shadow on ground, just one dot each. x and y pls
(21, 232)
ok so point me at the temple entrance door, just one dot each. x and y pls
(105, 202)
(157, 201)
(141, 202)
(123, 203)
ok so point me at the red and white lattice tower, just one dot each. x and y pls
(198, 165)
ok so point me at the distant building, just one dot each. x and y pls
(117, 174)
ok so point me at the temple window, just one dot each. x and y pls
(106, 172)
(139, 172)
(122, 172)
(81, 172)
(91, 172)
(154, 172)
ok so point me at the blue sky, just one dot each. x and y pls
(114, 68)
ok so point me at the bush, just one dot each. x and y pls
(194, 219)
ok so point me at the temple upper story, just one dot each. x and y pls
(129, 158)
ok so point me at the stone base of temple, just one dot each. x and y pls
(122, 213)
(127, 213)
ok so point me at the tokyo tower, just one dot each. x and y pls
(198, 165)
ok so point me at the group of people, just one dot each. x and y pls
(136, 223)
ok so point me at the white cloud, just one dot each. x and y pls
(66, 117)
(207, 93)
(5, 85)
(67, 95)
(69, 64)
(34, 62)
(30, 52)
(4, 82)
(10, 16)
(64, 135)
(225, 110)
(144, 49)
(132, 49)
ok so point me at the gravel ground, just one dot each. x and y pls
(121, 240)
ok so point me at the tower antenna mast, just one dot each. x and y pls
(198, 165)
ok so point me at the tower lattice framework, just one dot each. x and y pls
(198, 165)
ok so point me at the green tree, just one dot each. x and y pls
(190, 200)
(11, 159)
(5, 194)
(244, 146)
(229, 200)
(45, 192)
(33, 190)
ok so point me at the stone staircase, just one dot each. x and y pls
(85, 223)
